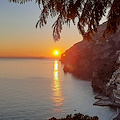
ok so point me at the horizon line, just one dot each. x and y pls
(12, 57)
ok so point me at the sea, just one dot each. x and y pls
(38, 89)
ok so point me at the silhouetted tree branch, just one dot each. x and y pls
(86, 13)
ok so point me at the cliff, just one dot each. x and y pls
(99, 61)
(86, 57)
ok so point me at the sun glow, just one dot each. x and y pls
(56, 52)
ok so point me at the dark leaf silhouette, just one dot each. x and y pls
(77, 116)
(86, 13)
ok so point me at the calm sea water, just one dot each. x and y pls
(37, 89)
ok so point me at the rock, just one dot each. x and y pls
(116, 94)
(104, 103)
(118, 117)
(101, 97)
(107, 102)
(103, 79)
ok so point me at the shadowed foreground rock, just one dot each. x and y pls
(77, 116)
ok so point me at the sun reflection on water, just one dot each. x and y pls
(57, 96)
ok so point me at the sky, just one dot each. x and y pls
(20, 38)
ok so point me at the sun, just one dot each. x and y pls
(56, 52)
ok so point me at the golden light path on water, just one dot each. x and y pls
(57, 96)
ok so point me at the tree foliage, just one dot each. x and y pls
(85, 13)
(77, 116)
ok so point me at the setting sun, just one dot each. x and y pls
(56, 52)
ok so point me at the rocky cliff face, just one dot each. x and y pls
(99, 61)
(86, 58)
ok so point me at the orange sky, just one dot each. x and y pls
(20, 38)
